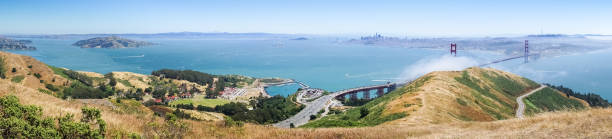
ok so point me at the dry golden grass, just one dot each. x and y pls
(21, 64)
(136, 80)
(593, 123)
(53, 106)
(91, 74)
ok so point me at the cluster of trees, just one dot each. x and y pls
(81, 91)
(219, 87)
(134, 95)
(189, 75)
(233, 80)
(203, 79)
(594, 100)
(82, 87)
(185, 106)
(265, 110)
(192, 107)
(80, 77)
(26, 121)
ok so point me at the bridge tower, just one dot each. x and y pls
(366, 94)
(453, 49)
(353, 96)
(380, 92)
(526, 51)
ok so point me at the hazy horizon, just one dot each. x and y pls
(395, 18)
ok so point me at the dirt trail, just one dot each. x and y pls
(521, 105)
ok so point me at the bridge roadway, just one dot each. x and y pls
(312, 108)
(502, 60)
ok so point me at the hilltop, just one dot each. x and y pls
(474, 94)
(110, 42)
(473, 103)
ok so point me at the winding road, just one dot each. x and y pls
(312, 108)
(521, 105)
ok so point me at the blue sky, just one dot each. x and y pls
(412, 18)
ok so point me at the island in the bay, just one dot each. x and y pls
(11, 44)
(110, 42)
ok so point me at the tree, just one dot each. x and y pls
(159, 93)
(312, 117)
(149, 89)
(364, 112)
(291, 125)
(37, 75)
(112, 82)
(210, 93)
(14, 70)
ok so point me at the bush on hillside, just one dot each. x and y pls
(26, 121)
(594, 100)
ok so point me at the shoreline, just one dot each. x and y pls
(263, 85)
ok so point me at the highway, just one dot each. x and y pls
(312, 108)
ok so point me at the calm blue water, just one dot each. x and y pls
(321, 63)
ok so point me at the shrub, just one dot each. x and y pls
(78, 76)
(312, 117)
(185, 106)
(37, 75)
(51, 87)
(26, 121)
(205, 108)
(229, 122)
(18, 78)
(172, 128)
(364, 112)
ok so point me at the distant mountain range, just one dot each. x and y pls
(169, 35)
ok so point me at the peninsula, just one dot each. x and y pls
(110, 42)
(11, 44)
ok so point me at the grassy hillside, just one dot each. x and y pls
(373, 112)
(474, 94)
(592, 123)
(28, 71)
(549, 99)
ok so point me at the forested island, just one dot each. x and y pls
(110, 42)
(11, 44)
